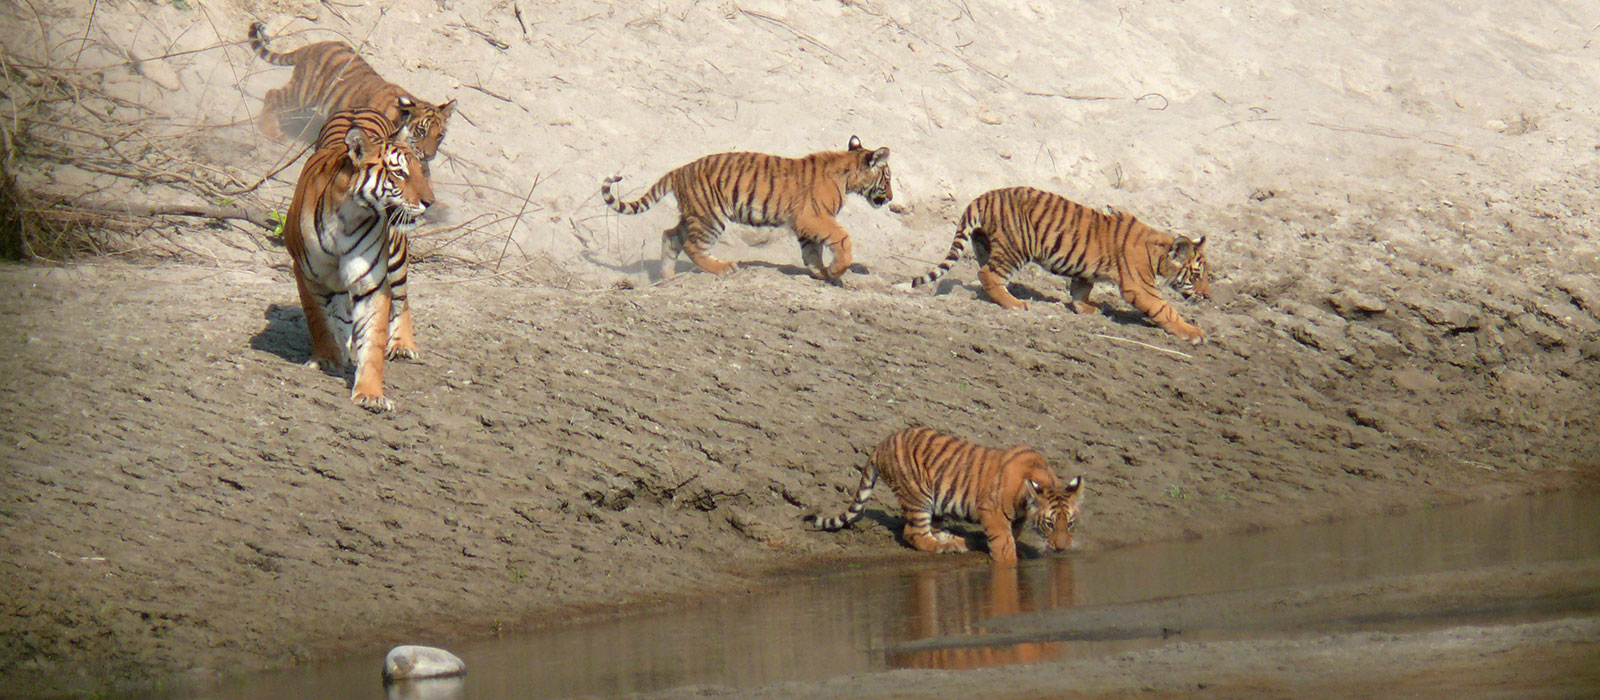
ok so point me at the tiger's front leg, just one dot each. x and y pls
(402, 340)
(370, 336)
(1160, 313)
(1002, 537)
(811, 256)
(920, 533)
(317, 302)
(826, 230)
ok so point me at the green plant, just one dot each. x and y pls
(277, 224)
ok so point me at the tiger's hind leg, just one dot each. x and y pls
(921, 534)
(698, 237)
(671, 248)
(993, 277)
(270, 120)
(1081, 286)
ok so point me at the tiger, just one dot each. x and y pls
(1014, 226)
(358, 195)
(935, 474)
(756, 189)
(330, 77)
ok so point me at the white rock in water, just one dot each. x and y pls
(411, 661)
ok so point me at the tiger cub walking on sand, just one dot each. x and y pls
(935, 474)
(330, 77)
(1014, 226)
(358, 195)
(756, 189)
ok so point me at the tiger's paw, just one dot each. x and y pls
(407, 352)
(1195, 336)
(375, 404)
(323, 364)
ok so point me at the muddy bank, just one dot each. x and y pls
(182, 496)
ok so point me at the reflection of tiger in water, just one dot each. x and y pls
(357, 196)
(944, 607)
(1012, 227)
(757, 189)
(934, 475)
(330, 77)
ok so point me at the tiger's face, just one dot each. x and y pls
(871, 179)
(390, 180)
(1186, 266)
(427, 129)
(1054, 512)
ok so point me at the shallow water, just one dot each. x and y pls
(854, 619)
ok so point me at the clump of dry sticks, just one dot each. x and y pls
(57, 116)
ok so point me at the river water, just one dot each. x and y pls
(842, 620)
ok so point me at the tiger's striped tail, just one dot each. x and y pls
(258, 41)
(957, 248)
(869, 479)
(657, 191)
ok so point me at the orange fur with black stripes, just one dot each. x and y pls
(358, 195)
(756, 189)
(330, 77)
(1015, 226)
(935, 474)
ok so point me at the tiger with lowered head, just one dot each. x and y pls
(329, 77)
(756, 189)
(1014, 226)
(939, 475)
(358, 195)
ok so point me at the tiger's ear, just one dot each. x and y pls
(447, 109)
(855, 144)
(1182, 248)
(407, 109)
(1072, 486)
(878, 157)
(360, 144)
(1201, 243)
(1033, 485)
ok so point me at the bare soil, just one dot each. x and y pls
(1399, 197)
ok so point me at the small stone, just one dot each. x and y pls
(410, 661)
(1452, 315)
(1351, 303)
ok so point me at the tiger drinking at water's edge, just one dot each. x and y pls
(1012, 227)
(936, 474)
(756, 189)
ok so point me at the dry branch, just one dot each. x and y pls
(259, 217)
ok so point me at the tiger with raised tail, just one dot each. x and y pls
(1014, 226)
(358, 195)
(756, 189)
(935, 474)
(330, 77)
